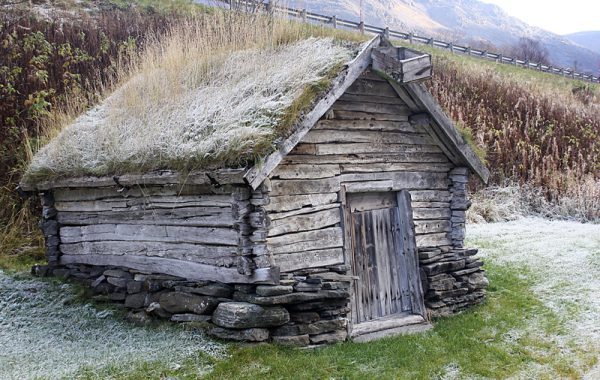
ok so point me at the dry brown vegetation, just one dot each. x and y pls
(536, 130)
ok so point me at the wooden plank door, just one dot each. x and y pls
(383, 256)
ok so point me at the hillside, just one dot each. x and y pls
(589, 40)
(465, 21)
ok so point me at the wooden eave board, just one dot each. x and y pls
(164, 177)
(444, 128)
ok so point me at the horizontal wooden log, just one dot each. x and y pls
(225, 176)
(304, 210)
(366, 158)
(184, 269)
(358, 115)
(206, 254)
(367, 125)
(305, 171)
(430, 196)
(401, 180)
(305, 222)
(176, 192)
(356, 98)
(357, 148)
(433, 240)
(431, 204)
(149, 203)
(432, 226)
(293, 202)
(192, 217)
(389, 167)
(431, 213)
(370, 87)
(129, 232)
(306, 241)
(373, 137)
(374, 108)
(309, 259)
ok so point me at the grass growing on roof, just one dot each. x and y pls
(218, 91)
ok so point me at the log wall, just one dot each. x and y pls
(193, 231)
(366, 139)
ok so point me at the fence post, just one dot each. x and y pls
(303, 15)
(451, 47)
(386, 33)
(269, 7)
(501, 57)
(361, 27)
(410, 38)
(334, 22)
(468, 50)
(430, 42)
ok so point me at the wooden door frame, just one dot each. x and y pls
(417, 296)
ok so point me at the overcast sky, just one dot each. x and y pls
(561, 17)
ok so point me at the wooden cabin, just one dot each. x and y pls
(352, 228)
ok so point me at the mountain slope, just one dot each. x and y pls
(590, 40)
(464, 21)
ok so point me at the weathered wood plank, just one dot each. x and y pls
(305, 171)
(292, 202)
(430, 196)
(433, 240)
(129, 232)
(347, 97)
(206, 254)
(375, 108)
(357, 148)
(368, 87)
(299, 211)
(184, 269)
(225, 176)
(329, 136)
(393, 166)
(306, 241)
(401, 180)
(432, 226)
(431, 213)
(358, 115)
(156, 203)
(164, 193)
(431, 204)
(367, 158)
(309, 259)
(367, 125)
(177, 217)
(305, 222)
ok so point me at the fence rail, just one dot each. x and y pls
(412, 38)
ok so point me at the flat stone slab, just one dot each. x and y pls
(189, 317)
(243, 315)
(276, 290)
(296, 341)
(179, 302)
(245, 335)
(292, 298)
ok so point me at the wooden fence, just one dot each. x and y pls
(334, 22)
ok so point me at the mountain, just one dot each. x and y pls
(462, 21)
(590, 40)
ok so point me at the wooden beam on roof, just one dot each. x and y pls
(257, 174)
(448, 131)
(163, 177)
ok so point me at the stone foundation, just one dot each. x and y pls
(306, 308)
(452, 279)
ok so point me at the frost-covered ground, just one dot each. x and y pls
(46, 333)
(564, 258)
